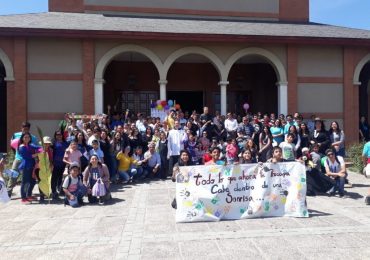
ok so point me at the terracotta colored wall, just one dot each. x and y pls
(294, 10)
(73, 6)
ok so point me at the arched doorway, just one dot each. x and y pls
(253, 80)
(193, 74)
(193, 83)
(131, 82)
(364, 91)
(257, 76)
(3, 109)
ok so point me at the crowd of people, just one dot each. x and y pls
(97, 151)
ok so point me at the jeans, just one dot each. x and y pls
(148, 171)
(13, 181)
(126, 175)
(113, 172)
(139, 172)
(27, 183)
(57, 177)
(339, 185)
(173, 160)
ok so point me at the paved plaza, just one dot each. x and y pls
(139, 223)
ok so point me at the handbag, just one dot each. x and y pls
(99, 189)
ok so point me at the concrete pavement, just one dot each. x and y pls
(139, 223)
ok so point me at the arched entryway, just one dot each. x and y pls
(252, 80)
(193, 76)
(258, 77)
(6, 74)
(127, 77)
(362, 79)
(3, 109)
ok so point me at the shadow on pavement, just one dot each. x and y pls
(316, 213)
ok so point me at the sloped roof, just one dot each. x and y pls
(99, 22)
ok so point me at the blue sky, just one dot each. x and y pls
(349, 13)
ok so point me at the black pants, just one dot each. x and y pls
(173, 160)
(57, 177)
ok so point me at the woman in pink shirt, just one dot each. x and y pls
(231, 151)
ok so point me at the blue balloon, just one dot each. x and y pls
(170, 103)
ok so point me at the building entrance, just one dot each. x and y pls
(188, 100)
(3, 110)
(364, 90)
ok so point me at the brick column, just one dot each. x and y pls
(18, 89)
(88, 63)
(350, 98)
(292, 58)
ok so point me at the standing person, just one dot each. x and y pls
(289, 122)
(17, 159)
(162, 148)
(174, 146)
(44, 168)
(366, 161)
(265, 144)
(83, 148)
(288, 148)
(105, 146)
(320, 136)
(277, 132)
(246, 128)
(336, 169)
(296, 140)
(304, 134)
(337, 139)
(72, 154)
(231, 125)
(116, 147)
(364, 129)
(59, 148)
(28, 153)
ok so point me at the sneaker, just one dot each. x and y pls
(367, 200)
(101, 202)
(341, 195)
(31, 198)
(332, 193)
(348, 185)
(25, 201)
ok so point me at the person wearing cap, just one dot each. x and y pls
(72, 186)
(335, 168)
(153, 163)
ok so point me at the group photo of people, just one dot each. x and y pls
(87, 154)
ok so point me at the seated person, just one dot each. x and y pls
(216, 157)
(336, 169)
(73, 188)
(125, 170)
(92, 173)
(153, 162)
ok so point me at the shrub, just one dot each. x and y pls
(355, 155)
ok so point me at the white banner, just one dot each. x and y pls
(214, 192)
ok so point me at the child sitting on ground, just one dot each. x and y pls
(73, 188)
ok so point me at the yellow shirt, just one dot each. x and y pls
(124, 162)
(170, 122)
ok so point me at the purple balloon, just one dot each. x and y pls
(246, 106)
(153, 105)
(167, 107)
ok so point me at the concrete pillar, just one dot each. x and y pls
(223, 96)
(98, 96)
(283, 97)
(162, 89)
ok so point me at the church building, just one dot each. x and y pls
(85, 55)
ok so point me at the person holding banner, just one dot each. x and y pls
(277, 155)
(215, 154)
(247, 157)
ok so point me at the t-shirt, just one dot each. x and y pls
(366, 150)
(97, 152)
(73, 185)
(334, 166)
(73, 156)
(124, 162)
(276, 131)
(288, 151)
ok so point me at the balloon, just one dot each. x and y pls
(14, 143)
(163, 103)
(170, 103)
(167, 107)
(153, 105)
(177, 106)
(159, 107)
(246, 106)
(158, 102)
